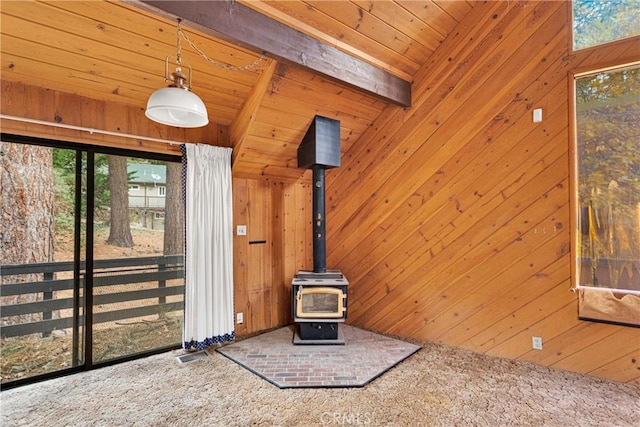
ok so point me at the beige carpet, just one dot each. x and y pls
(438, 386)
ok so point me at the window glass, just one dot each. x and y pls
(597, 21)
(41, 309)
(90, 272)
(608, 195)
(138, 283)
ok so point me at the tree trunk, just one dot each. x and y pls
(174, 211)
(120, 228)
(26, 215)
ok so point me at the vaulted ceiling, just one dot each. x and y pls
(114, 51)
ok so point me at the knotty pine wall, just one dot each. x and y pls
(451, 219)
(277, 245)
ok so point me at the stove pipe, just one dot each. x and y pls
(319, 240)
(320, 150)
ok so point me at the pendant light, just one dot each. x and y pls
(176, 105)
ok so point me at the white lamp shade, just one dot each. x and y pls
(174, 106)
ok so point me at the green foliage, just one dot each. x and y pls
(64, 162)
(64, 165)
(601, 21)
(63, 203)
(101, 181)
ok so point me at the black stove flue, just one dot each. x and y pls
(319, 223)
(320, 150)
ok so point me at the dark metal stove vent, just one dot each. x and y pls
(320, 150)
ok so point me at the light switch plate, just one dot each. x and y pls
(241, 230)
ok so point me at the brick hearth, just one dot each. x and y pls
(364, 357)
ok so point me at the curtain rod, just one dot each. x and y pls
(85, 129)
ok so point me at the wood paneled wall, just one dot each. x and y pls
(451, 219)
(278, 244)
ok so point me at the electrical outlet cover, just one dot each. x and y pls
(536, 343)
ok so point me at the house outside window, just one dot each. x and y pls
(147, 186)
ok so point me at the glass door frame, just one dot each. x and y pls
(87, 288)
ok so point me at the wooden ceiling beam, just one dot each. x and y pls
(241, 125)
(241, 25)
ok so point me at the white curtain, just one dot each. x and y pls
(208, 311)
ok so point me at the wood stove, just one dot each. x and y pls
(319, 297)
(319, 305)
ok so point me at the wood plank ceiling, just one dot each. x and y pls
(114, 51)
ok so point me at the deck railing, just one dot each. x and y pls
(107, 273)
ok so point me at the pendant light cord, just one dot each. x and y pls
(179, 47)
(230, 67)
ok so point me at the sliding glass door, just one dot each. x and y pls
(137, 248)
(41, 294)
(73, 296)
